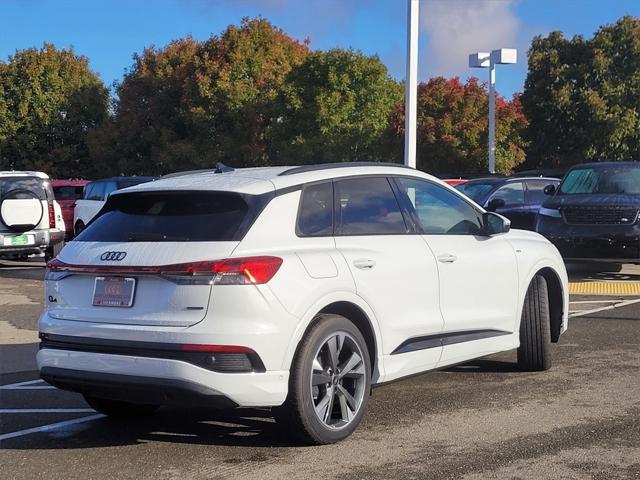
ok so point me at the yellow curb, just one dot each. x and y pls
(604, 288)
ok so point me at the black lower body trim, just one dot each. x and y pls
(135, 389)
(225, 362)
(444, 339)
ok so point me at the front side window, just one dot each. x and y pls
(438, 210)
(367, 206)
(512, 194)
(315, 217)
(535, 191)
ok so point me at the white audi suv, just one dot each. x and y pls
(296, 288)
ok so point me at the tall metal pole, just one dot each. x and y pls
(411, 84)
(492, 116)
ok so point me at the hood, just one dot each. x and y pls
(592, 200)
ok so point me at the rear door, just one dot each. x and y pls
(120, 253)
(394, 272)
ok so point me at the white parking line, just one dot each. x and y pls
(30, 385)
(51, 426)
(602, 309)
(47, 410)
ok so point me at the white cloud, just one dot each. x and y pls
(456, 28)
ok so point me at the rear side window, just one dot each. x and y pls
(169, 217)
(367, 206)
(315, 217)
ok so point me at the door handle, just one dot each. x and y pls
(447, 258)
(364, 263)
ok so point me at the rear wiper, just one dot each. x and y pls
(154, 237)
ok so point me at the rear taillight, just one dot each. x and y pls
(232, 271)
(52, 216)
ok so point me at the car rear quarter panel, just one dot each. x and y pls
(313, 275)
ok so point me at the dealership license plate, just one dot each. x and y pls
(18, 240)
(113, 291)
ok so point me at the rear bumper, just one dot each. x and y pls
(159, 380)
(135, 389)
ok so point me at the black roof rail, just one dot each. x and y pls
(327, 166)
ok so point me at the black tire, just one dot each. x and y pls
(53, 251)
(534, 353)
(78, 228)
(118, 409)
(298, 415)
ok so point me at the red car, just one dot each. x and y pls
(66, 192)
(455, 181)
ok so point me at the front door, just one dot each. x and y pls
(394, 272)
(478, 274)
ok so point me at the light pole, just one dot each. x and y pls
(411, 84)
(490, 60)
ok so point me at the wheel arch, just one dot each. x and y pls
(354, 309)
(557, 305)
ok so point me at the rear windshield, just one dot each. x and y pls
(22, 187)
(616, 179)
(168, 217)
(68, 192)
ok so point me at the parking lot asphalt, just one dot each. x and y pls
(484, 419)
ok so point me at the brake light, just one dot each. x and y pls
(52, 216)
(232, 271)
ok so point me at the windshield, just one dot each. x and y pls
(623, 179)
(23, 187)
(476, 191)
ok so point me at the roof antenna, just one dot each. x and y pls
(222, 168)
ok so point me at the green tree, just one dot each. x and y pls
(453, 128)
(192, 104)
(582, 97)
(335, 108)
(49, 101)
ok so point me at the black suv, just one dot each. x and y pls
(593, 214)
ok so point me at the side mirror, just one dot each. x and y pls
(549, 189)
(495, 203)
(494, 224)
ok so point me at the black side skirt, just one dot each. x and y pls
(444, 339)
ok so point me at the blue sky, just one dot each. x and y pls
(109, 32)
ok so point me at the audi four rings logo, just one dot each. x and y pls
(113, 256)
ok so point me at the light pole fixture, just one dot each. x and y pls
(490, 60)
(411, 84)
